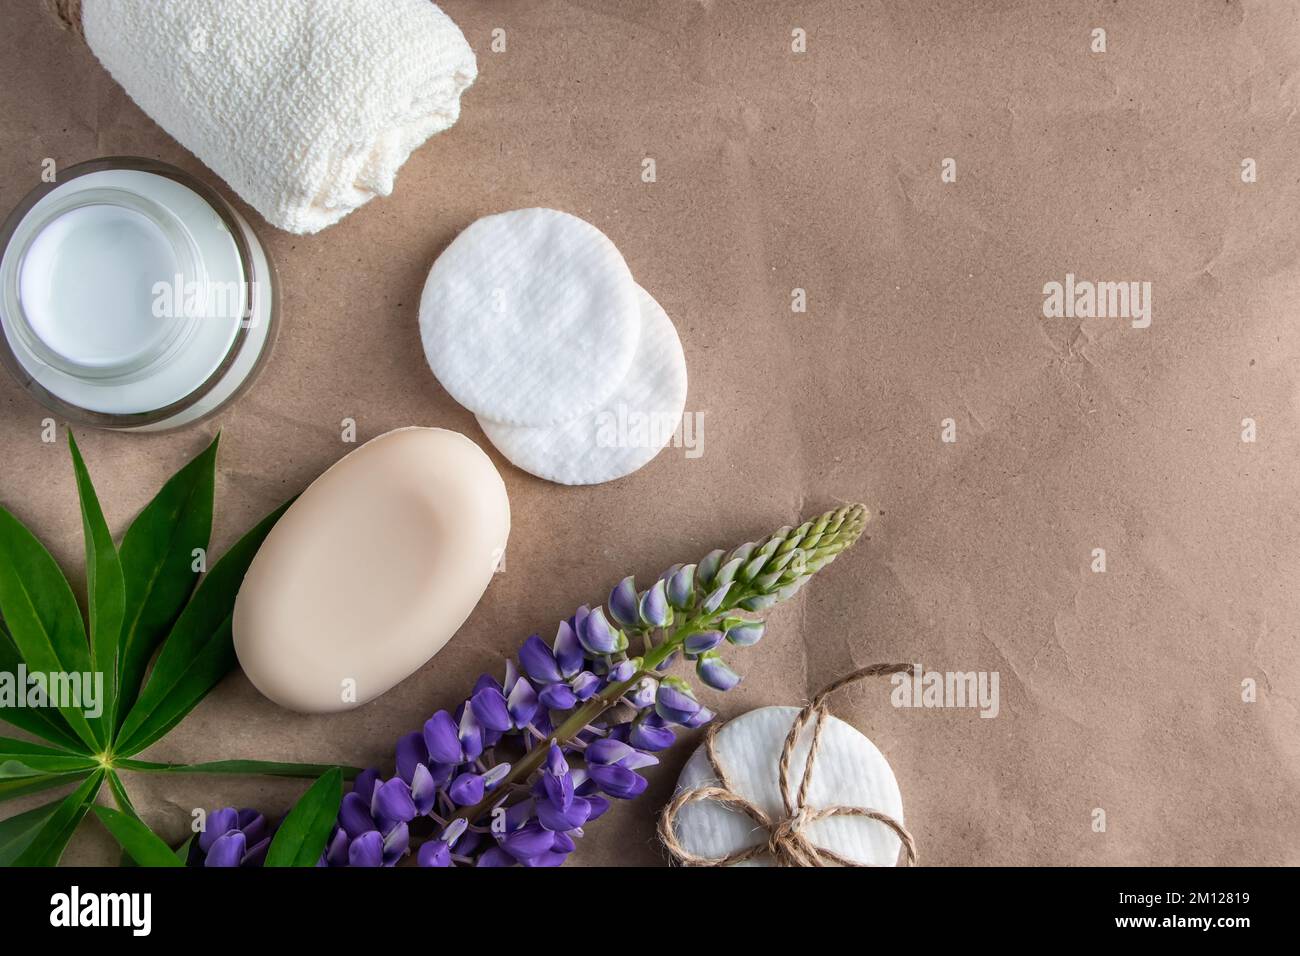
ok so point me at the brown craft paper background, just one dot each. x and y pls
(1119, 691)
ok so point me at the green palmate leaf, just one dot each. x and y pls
(17, 833)
(301, 837)
(21, 786)
(199, 651)
(47, 845)
(45, 722)
(19, 758)
(105, 590)
(144, 846)
(124, 803)
(178, 689)
(270, 768)
(119, 793)
(157, 559)
(42, 615)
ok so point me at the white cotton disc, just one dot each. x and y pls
(626, 431)
(530, 317)
(849, 771)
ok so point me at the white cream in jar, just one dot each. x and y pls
(132, 296)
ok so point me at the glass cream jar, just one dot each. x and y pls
(133, 297)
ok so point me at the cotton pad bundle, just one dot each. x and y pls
(307, 110)
(850, 771)
(531, 320)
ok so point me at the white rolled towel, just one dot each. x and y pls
(307, 108)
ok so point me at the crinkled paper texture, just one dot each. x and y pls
(821, 171)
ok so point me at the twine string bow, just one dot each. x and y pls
(787, 838)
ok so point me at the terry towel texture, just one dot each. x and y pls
(307, 108)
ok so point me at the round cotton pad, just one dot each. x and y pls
(530, 317)
(849, 771)
(630, 428)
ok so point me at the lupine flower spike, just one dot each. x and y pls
(517, 771)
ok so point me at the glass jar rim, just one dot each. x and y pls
(189, 261)
(261, 283)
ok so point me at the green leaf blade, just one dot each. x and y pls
(18, 832)
(156, 555)
(22, 786)
(179, 689)
(118, 790)
(21, 758)
(44, 722)
(271, 768)
(105, 591)
(200, 650)
(300, 841)
(41, 614)
(47, 846)
(143, 845)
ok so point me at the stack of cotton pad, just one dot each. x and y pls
(532, 321)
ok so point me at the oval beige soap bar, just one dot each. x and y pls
(372, 570)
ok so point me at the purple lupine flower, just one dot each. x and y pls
(744, 633)
(623, 670)
(438, 852)
(495, 856)
(538, 661)
(618, 782)
(424, 790)
(522, 702)
(585, 685)
(397, 843)
(711, 669)
(491, 709)
(608, 751)
(530, 841)
(557, 696)
(392, 803)
(412, 752)
(442, 738)
(649, 731)
(654, 608)
(681, 587)
(643, 694)
(611, 766)
(598, 637)
(564, 819)
(354, 815)
(364, 785)
(452, 770)
(470, 732)
(372, 827)
(558, 670)
(434, 853)
(557, 781)
(231, 837)
(697, 644)
(567, 649)
(558, 807)
(675, 703)
(367, 850)
(467, 789)
(623, 604)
